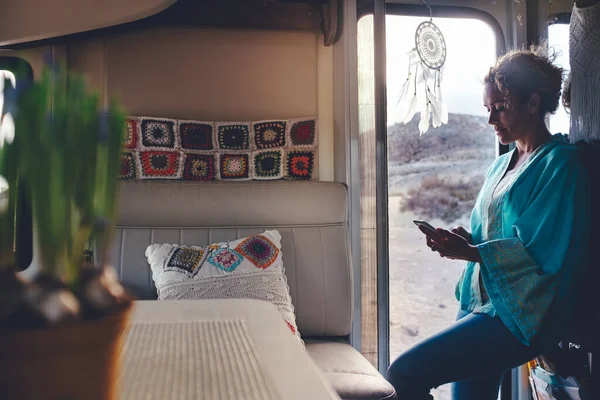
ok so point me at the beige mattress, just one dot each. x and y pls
(216, 349)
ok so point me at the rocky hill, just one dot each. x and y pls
(438, 174)
(462, 134)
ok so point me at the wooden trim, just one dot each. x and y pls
(330, 15)
(249, 14)
(325, 112)
(228, 14)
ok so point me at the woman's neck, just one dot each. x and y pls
(529, 143)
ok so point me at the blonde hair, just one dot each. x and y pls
(521, 73)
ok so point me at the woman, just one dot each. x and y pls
(529, 230)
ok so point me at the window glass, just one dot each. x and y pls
(15, 72)
(435, 176)
(558, 40)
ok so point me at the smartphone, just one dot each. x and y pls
(427, 226)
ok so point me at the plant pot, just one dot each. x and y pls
(70, 362)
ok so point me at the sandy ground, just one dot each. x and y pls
(422, 285)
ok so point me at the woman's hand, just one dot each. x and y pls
(452, 245)
(460, 231)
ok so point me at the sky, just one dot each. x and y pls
(558, 38)
(471, 51)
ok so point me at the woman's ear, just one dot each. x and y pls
(533, 105)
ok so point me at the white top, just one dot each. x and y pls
(504, 182)
(216, 349)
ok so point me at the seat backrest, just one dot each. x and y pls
(311, 217)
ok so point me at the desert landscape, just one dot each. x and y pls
(435, 177)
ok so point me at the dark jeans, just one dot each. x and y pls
(474, 353)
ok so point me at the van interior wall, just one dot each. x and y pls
(215, 75)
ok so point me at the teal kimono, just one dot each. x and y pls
(532, 235)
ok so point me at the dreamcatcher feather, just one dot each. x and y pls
(425, 70)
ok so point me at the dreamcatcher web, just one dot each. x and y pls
(425, 69)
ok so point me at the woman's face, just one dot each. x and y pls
(510, 124)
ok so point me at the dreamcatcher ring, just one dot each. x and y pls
(430, 45)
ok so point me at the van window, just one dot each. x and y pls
(435, 176)
(15, 72)
(558, 41)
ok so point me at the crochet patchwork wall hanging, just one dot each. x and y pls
(163, 148)
(425, 69)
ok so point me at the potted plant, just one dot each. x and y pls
(61, 331)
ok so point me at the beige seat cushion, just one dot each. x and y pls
(314, 240)
(350, 374)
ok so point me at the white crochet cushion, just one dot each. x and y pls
(246, 268)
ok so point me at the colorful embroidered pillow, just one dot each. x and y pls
(250, 268)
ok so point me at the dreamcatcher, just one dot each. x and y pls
(425, 69)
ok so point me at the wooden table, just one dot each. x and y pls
(216, 349)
